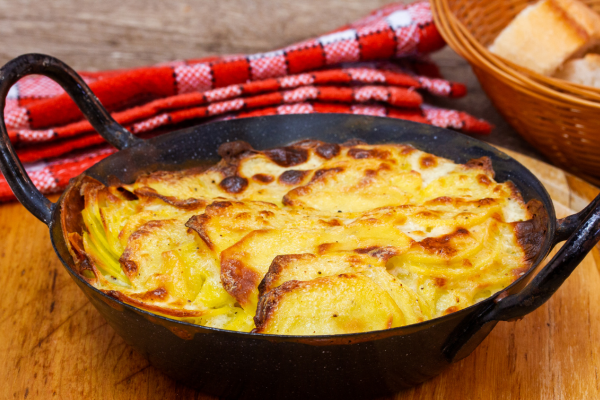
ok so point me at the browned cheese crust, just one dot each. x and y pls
(261, 232)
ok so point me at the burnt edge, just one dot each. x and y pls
(72, 224)
(267, 305)
(197, 224)
(531, 234)
(238, 280)
(278, 264)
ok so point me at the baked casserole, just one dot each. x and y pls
(310, 239)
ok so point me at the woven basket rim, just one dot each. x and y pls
(460, 39)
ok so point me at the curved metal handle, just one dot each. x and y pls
(88, 103)
(581, 241)
(583, 232)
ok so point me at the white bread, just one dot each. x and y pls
(585, 71)
(546, 34)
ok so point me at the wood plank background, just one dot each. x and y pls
(112, 34)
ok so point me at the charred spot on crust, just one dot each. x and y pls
(127, 194)
(292, 177)
(287, 156)
(358, 154)
(440, 246)
(428, 214)
(439, 282)
(234, 184)
(233, 149)
(197, 223)
(321, 173)
(484, 180)
(219, 205)
(514, 192)
(484, 163)
(428, 161)
(238, 280)
(385, 253)
(263, 178)
(187, 204)
(407, 150)
(156, 294)
(487, 202)
(328, 150)
(366, 250)
(531, 234)
(331, 222)
(440, 201)
(324, 247)
(129, 266)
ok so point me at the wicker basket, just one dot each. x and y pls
(559, 118)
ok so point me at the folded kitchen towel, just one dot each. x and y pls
(375, 66)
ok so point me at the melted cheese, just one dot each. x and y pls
(314, 238)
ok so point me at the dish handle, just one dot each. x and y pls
(40, 64)
(582, 232)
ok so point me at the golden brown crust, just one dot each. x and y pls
(263, 178)
(292, 177)
(279, 264)
(441, 246)
(267, 304)
(152, 307)
(160, 293)
(531, 234)
(234, 184)
(484, 163)
(198, 224)
(428, 161)
(225, 224)
(328, 150)
(238, 280)
(128, 265)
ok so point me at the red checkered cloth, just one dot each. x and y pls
(375, 66)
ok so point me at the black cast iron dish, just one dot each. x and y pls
(234, 364)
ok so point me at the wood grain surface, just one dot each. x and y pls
(54, 344)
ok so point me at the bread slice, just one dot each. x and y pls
(585, 71)
(546, 34)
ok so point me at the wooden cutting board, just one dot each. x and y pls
(54, 344)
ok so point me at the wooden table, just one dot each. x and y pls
(54, 344)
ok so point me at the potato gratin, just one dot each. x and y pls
(310, 239)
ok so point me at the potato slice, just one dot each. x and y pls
(346, 303)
